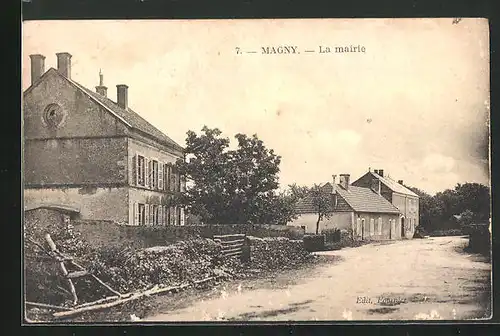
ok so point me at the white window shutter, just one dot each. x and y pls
(136, 213)
(183, 219)
(162, 215)
(173, 211)
(146, 172)
(372, 228)
(380, 225)
(160, 175)
(146, 214)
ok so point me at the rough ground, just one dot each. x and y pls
(405, 280)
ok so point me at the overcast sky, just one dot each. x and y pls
(415, 104)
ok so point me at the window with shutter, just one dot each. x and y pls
(140, 167)
(160, 176)
(183, 217)
(136, 213)
(178, 215)
(167, 216)
(162, 215)
(150, 174)
(146, 214)
(151, 215)
(172, 216)
(146, 173)
(133, 170)
(380, 225)
(154, 174)
(142, 214)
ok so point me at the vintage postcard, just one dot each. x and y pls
(256, 170)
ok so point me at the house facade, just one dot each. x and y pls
(395, 192)
(83, 150)
(368, 215)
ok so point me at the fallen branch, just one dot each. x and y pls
(53, 248)
(109, 298)
(44, 305)
(96, 305)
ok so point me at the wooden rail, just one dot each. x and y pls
(232, 245)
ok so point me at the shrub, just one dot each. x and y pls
(331, 235)
(314, 243)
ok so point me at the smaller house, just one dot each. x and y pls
(365, 213)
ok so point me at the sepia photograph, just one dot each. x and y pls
(256, 170)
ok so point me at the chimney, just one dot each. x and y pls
(376, 185)
(381, 172)
(101, 89)
(64, 64)
(334, 184)
(122, 95)
(344, 181)
(400, 182)
(37, 66)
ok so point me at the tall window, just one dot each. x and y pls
(149, 178)
(154, 174)
(155, 215)
(166, 178)
(379, 226)
(372, 226)
(167, 216)
(141, 214)
(161, 167)
(140, 170)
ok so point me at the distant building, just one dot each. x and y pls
(362, 210)
(395, 192)
(82, 150)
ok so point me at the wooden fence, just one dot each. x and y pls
(232, 245)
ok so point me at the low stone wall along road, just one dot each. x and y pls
(415, 279)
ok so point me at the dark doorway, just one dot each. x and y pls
(402, 227)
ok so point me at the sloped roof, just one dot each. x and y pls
(366, 200)
(359, 199)
(393, 185)
(128, 116)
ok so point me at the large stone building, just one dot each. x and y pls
(395, 192)
(367, 214)
(83, 150)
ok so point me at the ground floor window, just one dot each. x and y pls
(141, 214)
(156, 214)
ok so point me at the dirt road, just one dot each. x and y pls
(404, 280)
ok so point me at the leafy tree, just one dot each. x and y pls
(297, 192)
(232, 185)
(469, 199)
(322, 203)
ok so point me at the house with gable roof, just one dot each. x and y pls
(361, 210)
(395, 192)
(87, 152)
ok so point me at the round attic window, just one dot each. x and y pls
(53, 115)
